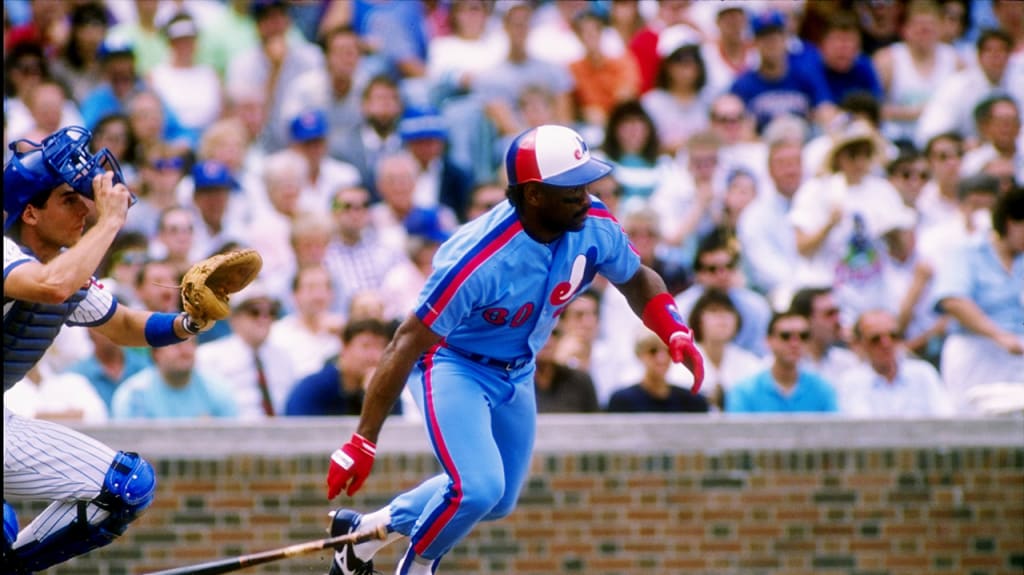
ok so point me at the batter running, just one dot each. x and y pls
(48, 282)
(467, 351)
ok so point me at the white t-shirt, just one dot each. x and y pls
(193, 94)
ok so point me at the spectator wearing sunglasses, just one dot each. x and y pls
(786, 386)
(717, 266)
(827, 354)
(889, 383)
(260, 374)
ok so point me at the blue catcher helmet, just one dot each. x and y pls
(63, 157)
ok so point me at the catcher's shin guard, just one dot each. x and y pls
(127, 491)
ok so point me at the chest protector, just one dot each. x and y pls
(29, 330)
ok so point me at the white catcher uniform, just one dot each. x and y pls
(45, 460)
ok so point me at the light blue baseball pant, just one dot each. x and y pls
(481, 422)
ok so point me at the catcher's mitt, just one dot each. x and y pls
(207, 285)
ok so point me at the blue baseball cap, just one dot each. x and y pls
(115, 45)
(426, 223)
(553, 155)
(767, 22)
(309, 125)
(212, 174)
(421, 124)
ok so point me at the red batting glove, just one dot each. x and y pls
(350, 465)
(683, 350)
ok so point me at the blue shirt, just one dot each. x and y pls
(147, 396)
(860, 78)
(798, 92)
(635, 399)
(321, 393)
(760, 394)
(135, 360)
(974, 272)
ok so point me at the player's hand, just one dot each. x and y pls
(350, 466)
(111, 200)
(684, 351)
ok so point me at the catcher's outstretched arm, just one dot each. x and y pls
(412, 339)
(127, 327)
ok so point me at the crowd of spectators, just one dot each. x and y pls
(833, 191)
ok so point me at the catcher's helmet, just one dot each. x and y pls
(63, 157)
(553, 155)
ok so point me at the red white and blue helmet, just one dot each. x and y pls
(63, 157)
(552, 155)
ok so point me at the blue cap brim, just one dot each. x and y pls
(591, 171)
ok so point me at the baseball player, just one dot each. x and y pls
(467, 351)
(48, 282)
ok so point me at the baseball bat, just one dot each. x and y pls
(243, 561)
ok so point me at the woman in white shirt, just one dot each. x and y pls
(192, 91)
(715, 321)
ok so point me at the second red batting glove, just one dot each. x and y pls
(350, 466)
(684, 351)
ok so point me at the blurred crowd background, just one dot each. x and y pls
(832, 190)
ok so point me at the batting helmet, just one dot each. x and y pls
(553, 155)
(62, 158)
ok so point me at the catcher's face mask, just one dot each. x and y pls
(62, 157)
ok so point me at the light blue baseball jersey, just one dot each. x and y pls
(497, 292)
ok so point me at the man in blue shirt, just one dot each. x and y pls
(110, 365)
(785, 386)
(338, 389)
(847, 69)
(781, 85)
(172, 389)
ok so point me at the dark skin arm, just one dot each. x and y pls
(639, 289)
(412, 339)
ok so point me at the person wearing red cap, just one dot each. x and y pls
(468, 348)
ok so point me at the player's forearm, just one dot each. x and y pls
(72, 268)
(410, 341)
(643, 286)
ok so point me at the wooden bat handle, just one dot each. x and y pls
(241, 562)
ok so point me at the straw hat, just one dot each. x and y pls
(850, 132)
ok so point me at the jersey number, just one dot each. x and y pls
(500, 315)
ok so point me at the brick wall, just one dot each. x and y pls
(944, 509)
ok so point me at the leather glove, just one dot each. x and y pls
(350, 465)
(684, 351)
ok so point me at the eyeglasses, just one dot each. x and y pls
(343, 205)
(943, 156)
(178, 229)
(918, 174)
(259, 311)
(727, 119)
(715, 268)
(655, 350)
(857, 151)
(876, 339)
(791, 335)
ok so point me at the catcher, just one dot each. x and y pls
(48, 264)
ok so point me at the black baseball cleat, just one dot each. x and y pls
(345, 562)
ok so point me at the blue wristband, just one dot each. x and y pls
(160, 330)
